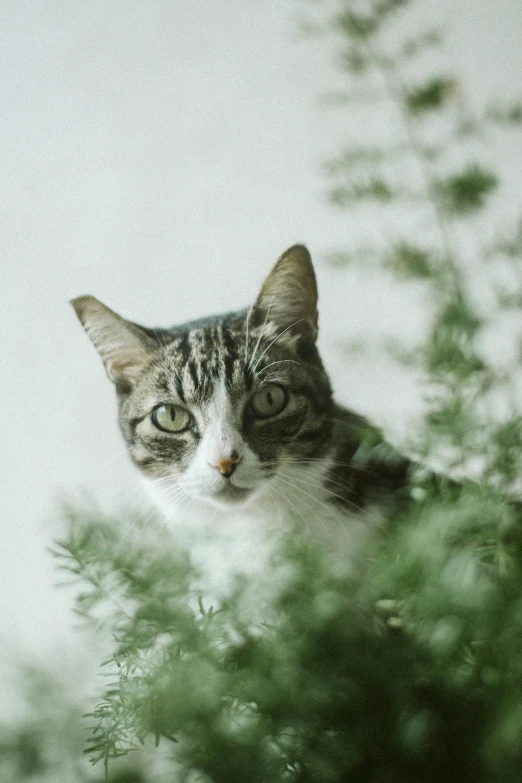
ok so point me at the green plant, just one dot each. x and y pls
(429, 170)
(413, 671)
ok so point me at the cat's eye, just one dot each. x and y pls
(268, 401)
(170, 418)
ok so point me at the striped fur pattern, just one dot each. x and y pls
(294, 453)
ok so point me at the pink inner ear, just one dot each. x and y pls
(122, 367)
(117, 366)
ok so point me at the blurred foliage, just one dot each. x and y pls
(412, 47)
(449, 351)
(374, 189)
(409, 261)
(46, 744)
(411, 671)
(465, 192)
(430, 96)
(432, 181)
(509, 114)
(510, 246)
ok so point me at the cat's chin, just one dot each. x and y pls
(231, 496)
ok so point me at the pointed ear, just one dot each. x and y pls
(122, 345)
(288, 297)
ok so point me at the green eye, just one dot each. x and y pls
(170, 418)
(268, 401)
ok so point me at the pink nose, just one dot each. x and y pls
(227, 465)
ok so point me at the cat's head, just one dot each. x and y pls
(211, 410)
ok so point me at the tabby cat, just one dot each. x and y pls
(231, 421)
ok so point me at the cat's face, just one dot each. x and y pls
(212, 410)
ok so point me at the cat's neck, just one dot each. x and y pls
(225, 543)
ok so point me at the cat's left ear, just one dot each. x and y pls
(123, 346)
(288, 296)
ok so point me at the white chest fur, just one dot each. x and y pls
(225, 543)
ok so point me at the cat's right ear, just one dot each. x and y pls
(123, 346)
(288, 296)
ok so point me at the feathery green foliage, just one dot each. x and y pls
(430, 96)
(413, 671)
(463, 193)
(45, 743)
(432, 174)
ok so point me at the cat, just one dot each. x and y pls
(231, 421)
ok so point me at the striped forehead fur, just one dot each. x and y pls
(185, 360)
(189, 364)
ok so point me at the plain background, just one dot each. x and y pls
(161, 155)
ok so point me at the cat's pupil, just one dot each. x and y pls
(172, 414)
(269, 398)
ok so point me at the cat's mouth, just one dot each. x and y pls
(232, 495)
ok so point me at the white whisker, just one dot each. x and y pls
(140, 519)
(249, 367)
(291, 464)
(292, 361)
(277, 508)
(287, 499)
(273, 341)
(314, 460)
(325, 505)
(247, 324)
(163, 479)
(308, 482)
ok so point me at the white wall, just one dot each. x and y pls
(161, 157)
